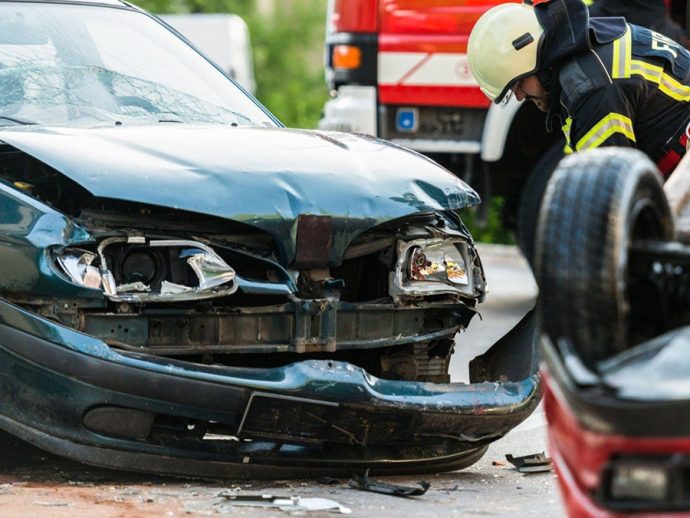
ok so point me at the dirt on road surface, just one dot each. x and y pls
(34, 483)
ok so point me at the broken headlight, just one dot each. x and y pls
(437, 263)
(135, 269)
(437, 266)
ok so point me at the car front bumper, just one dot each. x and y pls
(71, 394)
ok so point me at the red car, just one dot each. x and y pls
(615, 311)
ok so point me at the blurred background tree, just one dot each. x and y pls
(287, 43)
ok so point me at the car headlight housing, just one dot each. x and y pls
(437, 266)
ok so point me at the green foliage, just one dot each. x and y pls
(488, 227)
(287, 44)
(240, 7)
(287, 55)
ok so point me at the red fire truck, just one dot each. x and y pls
(398, 70)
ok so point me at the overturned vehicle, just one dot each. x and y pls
(190, 288)
(615, 308)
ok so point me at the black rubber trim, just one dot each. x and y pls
(366, 74)
(601, 411)
(183, 466)
(121, 378)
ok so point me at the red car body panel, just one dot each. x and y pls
(580, 455)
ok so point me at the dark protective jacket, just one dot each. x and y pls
(645, 13)
(614, 84)
(633, 90)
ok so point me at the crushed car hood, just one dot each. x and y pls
(266, 177)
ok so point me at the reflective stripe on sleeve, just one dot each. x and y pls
(622, 56)
(667, 83)
(602, 130)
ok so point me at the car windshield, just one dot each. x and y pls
(89, 65)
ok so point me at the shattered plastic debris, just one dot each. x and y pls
(364, 484)
(535, 463)
(288, 504)
(170, 288)
(133, 286)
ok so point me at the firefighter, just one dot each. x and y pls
(606, 82)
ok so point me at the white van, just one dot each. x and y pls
(223, 38)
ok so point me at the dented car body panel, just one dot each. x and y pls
(190, 289)
(227, 172)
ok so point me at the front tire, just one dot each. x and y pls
(597, 205)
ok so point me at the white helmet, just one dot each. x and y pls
(503, 47)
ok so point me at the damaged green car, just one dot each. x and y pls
(190, 288)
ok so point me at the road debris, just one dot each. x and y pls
(51, 504)
(364, 484)
(328, 481)
(534, 463)
(288, 504)
(498, 463)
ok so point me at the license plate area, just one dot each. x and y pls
(432, 122)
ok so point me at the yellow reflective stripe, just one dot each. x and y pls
(622, 56)
(588, 2)
(566, 131)
(602, 130)
(667, 83)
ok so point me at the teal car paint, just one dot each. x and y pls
(191, 289)
(265, 177)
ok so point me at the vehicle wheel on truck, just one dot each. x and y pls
(531, 198)
(598, 204)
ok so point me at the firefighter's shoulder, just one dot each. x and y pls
(581, 76)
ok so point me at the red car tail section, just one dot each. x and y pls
(582, 456)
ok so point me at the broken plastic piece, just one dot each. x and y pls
(109, 285)
(289, 504)
(209, 268)
(535, 463)
(170, 288)
(79, 269)
(133, 286)
(364, 484)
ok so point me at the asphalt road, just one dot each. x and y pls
(33, 483)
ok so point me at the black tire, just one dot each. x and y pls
(595, 206)
(531, 198)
